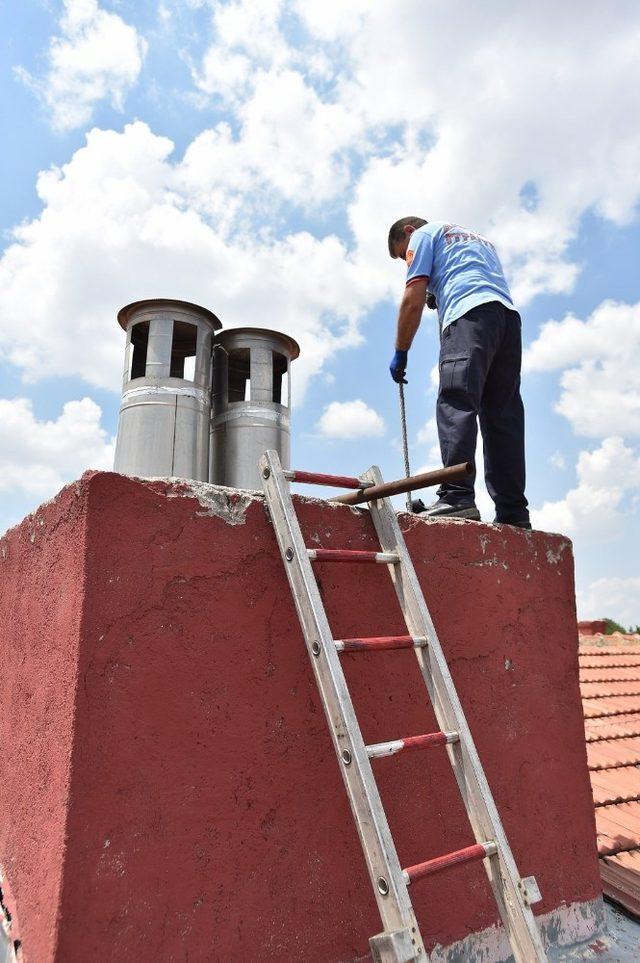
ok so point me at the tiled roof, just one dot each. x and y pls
(610, 686)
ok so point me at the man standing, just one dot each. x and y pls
(480, 359)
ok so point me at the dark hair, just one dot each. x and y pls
(396, 231)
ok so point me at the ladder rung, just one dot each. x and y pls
(470, 854)
(379, 643)
(335, 481)
(345, 555)
(411, 742)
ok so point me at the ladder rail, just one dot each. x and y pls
(377, 843)
(506, 883)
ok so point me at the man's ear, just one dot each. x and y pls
(408, 230)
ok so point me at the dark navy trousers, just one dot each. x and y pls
(480, 359)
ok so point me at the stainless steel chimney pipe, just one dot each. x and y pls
(251, 403)
(166, 393)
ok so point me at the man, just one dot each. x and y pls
(480, 358)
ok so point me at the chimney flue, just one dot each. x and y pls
(251, 403)
(166, 396)
(171, 425)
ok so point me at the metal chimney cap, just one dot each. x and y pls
(230, 334)
(124, 314)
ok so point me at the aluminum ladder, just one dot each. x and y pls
(401, 941)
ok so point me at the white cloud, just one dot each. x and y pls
(350, 419)
(601, 358)
(428, 434)
(332, 20)
(37, 457)
(121, 222)
(406, 140)
(290, 142)
(557, 460)
(96, 57)
(223, 73)
(500, 60)
(599, 506)
(247, 40)
(614, 598)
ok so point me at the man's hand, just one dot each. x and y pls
(398, 367)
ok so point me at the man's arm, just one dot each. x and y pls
(410, 313)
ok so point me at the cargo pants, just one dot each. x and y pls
(480, 361)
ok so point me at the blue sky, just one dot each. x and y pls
(250, 155)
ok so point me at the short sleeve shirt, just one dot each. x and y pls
(463, 269)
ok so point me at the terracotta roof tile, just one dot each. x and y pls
(620, 674)
(610, 687)
(621, 879)
(618, 827)
(615, 785)
(609, 661)
(611, 753)
(593, 650)
(596, 708)
(612, 727)
(600, 690)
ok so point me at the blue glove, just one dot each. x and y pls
(398, 367)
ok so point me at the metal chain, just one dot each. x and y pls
(405, 444)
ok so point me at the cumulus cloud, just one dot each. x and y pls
(350, 419)
(428, 434)
(38, 457)
(405, 140)
(332, 20)
(616, 598)
(500, 59)
(121, 221)
(596, 508)
(318, 124)
(290, 142)
(601, 359)
(247, 37)
(96, 57)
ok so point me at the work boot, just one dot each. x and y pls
(441, 509)
(522, 523)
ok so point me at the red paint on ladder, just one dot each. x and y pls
(313, 478)
(467, 855)
(377, 643)
(426, 741)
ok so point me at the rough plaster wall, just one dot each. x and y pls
(207, 816)
(41, 592)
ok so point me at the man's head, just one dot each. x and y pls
(399, 234)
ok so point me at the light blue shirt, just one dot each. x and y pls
(462, 266)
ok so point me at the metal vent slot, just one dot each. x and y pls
(280, 379)
(138, 350)
(239, 374)
(183, 350)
